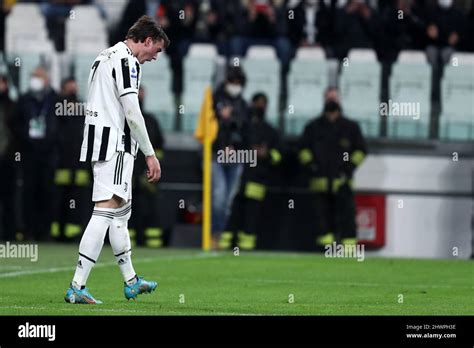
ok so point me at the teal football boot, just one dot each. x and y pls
(142, 286)
(81, 296)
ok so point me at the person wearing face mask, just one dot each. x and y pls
(7, 164)
(331, 148)
(145, 225)
(232, 114)
(36, 124)
(444, 33)
(243, 222)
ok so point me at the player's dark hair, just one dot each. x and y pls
(145, 27)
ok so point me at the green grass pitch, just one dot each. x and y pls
(192, 282)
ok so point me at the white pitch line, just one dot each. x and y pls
(280, 281)
(108, 264)
(99, 309)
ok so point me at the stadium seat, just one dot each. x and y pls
(92, 40)
(457, 99)
(262, 70)
(360, 90)
(410, 82)
(159, 100)
(113, 9)
(82, 66)
(27, 43)
(307, 81)
(199, 65)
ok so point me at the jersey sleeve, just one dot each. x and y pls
(127, 71)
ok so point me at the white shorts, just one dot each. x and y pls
(113, 177)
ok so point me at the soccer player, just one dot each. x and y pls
(113, 130)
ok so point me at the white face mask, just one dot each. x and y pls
(233, 89)
(445, 3)
(36, 84)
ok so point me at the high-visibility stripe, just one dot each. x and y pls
(153, 232)
(55, 232)
(246, 241)
(319, 184)
(159, 153)
(82, 177)
(154, 243)
(225, 241)
(62, 176)
(275, 156)
(349, 241)
(337, 183)
(104, 143)
(325, 239)
(254, 190)
(357, 157)
(72, 230)
(90, 142)
(305, 156)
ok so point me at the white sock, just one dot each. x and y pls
(91, 244)
(120, 242)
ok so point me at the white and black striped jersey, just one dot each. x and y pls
(114, 73)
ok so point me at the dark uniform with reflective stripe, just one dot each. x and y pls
(72, 179)
(145, 225)
(247, 205)
(331, 151)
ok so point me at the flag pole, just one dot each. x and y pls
(206, 189)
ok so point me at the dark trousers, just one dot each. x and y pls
(38, 191)
(336, 212)
(7, 199)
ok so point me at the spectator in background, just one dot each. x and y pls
(332, 147)
(247, 206)
(444, 31)
(178, 19)
(468, 42)
(445, 27)
(402, 27)
(231, 111)
(145, 220)
(311, 25)
(7, 164)
(35, 124)
(231, 19)
(4, 11)
(356, 26)
(72, 178)
(57, 13)
(263, 23)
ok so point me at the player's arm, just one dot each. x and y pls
(134, 118)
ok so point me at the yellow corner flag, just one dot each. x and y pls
(206, 132)
(207, 125)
